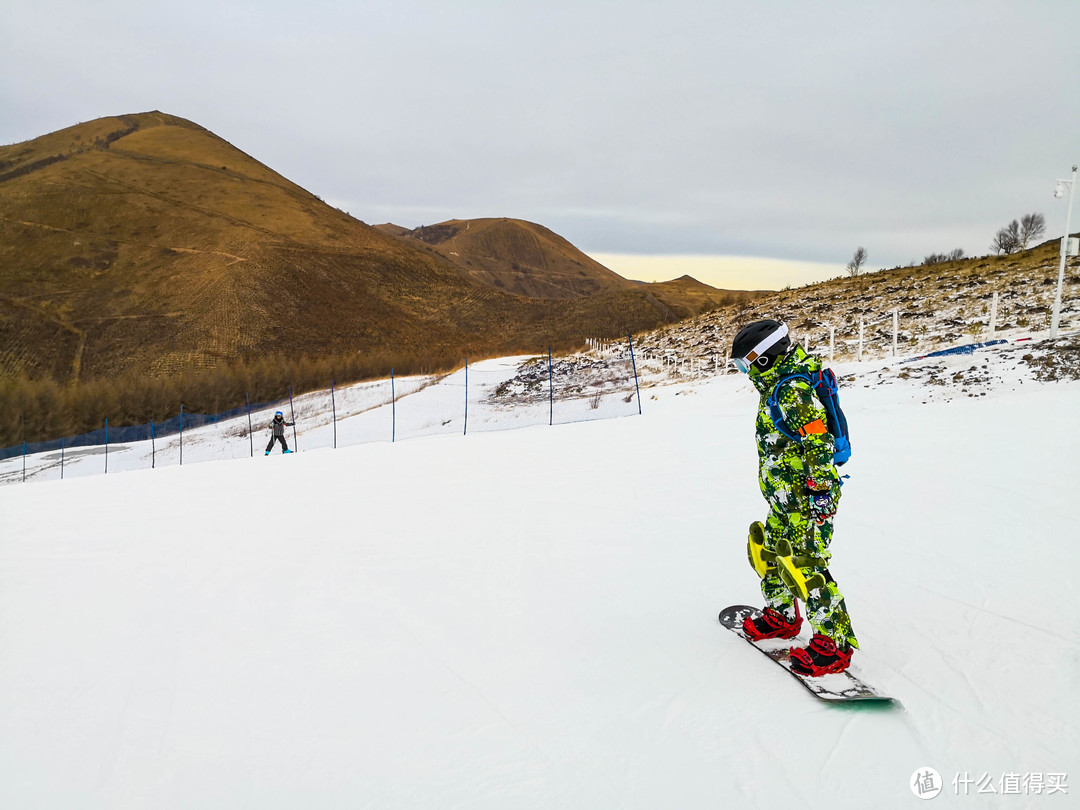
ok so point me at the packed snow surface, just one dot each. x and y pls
(527, 619)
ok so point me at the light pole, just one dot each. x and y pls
(1059, 191)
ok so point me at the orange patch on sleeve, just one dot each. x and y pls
(817, 426)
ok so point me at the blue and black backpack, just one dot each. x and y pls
(825, 386)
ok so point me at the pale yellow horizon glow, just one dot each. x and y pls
(723, 272)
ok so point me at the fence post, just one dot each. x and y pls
(63, 446)
(633, 362)
(106, 445)
(862, 324)
(153, 450)
(895, 329)
(551, 392)
(832, 344)
(393, 409)
(993, 315)
(292, 418)
(466, 431)
(24, 461)
(181, 434)
(333, 410)
(251, 438)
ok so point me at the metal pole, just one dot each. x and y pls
(251, 439)
(551, 392)
(633, 363)
(181, 434)
(832, 344)
(153, 449)
(393, 409)
(292, 418)
(24, 461)
(333, 410)
(1055, 316)
(106, 445)
(63, 445)
(466, 431)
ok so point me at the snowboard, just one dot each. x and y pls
(835, 688)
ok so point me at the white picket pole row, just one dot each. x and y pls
(673, 363)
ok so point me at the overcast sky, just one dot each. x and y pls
(775, 130)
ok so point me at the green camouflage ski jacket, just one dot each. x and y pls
(783, 461)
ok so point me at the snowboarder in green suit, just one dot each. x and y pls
(790, 551)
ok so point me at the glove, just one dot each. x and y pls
(823, 500)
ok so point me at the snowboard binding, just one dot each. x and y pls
(759, 556)
(793, 571)
(791, 568)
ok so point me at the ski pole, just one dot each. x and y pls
(292, 418)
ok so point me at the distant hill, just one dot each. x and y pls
(686, 296)
(528, 259)
(145, 243)
(516, 256)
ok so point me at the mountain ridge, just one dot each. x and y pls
(145, 243)
(518, 256)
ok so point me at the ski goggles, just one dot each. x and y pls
(743, 363)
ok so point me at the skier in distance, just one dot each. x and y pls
(790, 551)
(277, 433)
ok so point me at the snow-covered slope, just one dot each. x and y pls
(527, 619)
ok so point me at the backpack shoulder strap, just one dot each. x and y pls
(774, 397)
(773, 401)
(825, 379)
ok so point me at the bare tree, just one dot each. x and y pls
(1007, 239)
(939, 258)
(855, 266)
(1032, 226)
(1017, 236)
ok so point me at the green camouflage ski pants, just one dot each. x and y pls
(789, 507)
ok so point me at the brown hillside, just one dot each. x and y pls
(940, 306)
(147, 243)
(686, 296)
(518, 257)
(529, 260)
(390, 229)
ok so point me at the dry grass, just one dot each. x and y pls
(686, 296)
(527, 259)
(146, 244)
(41, 409)
(940, 305)
(518, 257)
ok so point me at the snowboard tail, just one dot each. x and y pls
(834, 688)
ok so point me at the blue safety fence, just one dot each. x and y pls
(967, 349)
(492, 395)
